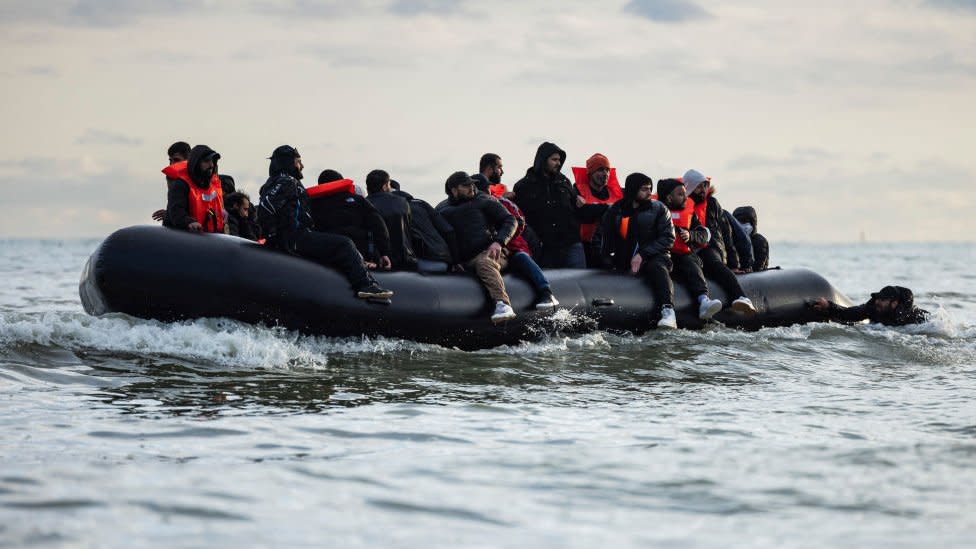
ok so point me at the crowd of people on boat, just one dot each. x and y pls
(677, 231)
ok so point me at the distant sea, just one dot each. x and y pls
(121, 432)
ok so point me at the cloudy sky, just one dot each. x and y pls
(833, 118)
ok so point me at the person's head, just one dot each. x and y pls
(238, 203)
(227, 184)
(461, 186)
(491, 167)
(178, 152)
(377, 181)
(746, 216)
(394, 185)
(598, 170)
(549, 159)
(287, 160)
(672, 193)
(202, 164)
(638, 187)
(891, 299)
(328, 176)
(696, 185)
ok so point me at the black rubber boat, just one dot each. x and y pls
(158, 273)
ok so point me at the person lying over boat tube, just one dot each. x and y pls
(635, 235)
(891, 306)
(195, 198)
(483, 227)
(286, 223)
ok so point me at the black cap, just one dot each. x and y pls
(459, 178)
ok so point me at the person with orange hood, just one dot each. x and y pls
(598, 187)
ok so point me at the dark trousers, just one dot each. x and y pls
(716, 269)
(336, 251)
(656, 272)
(570, 256)
(688, 271)
(523, 264)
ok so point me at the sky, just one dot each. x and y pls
(837, 120)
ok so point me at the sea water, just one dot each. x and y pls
(121, 432)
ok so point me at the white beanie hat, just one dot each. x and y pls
(692, 179)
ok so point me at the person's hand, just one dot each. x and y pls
(369, 265)
(385, 263)
(683, 234)
(194, 227)
(819, 304)
(635, 263)
(494, 251)
(457, 268)
(158, 215)
(580, 202)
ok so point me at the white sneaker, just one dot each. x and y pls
(503, 312)
(708, 307)
(548, 301)
(744, 305)
(667, 318)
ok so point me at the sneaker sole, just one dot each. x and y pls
(384, 295)
(497, 319)
(546, 306)
(711, 311)
(667, 326)
(743, 308)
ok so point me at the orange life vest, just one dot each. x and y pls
(206, 205)
(497, 190)
(682, 219)
(624, 227)
(333, 187)
(583, 187)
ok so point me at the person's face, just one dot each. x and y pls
(464, 190)
(553, 163)
(676, 198)
(173, 159)
(243, 208)
(298, 164)
(206, 167)
(496, 172)
(884, 305)
(644, 192)
(700, 190)
(599, 178)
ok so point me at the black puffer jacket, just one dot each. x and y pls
(283, 211)
(649, 233)
(477, 223)
(722, 239)
(549, 202)
(355, 217)
(396, 214)
(760, 246)
(433, 236)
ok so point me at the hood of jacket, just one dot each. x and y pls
(283, 161)
(198, 154)
(542, 154)
(746, 214)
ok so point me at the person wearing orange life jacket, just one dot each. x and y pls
(709, 212)
(636, 236)
(598, 188)
(177, 152)
(337, 209)
(195, 201)
(690, 236)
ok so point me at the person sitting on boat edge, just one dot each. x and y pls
(239, 223)
(287, 224)
(194, 200)
(483, 228)
(434, 241)
(491, 167)
(337, 209)
(713, 257)
(747, 217)
(396, 214)
(635, 236)
(177, 152)
(598, 189)
(891, 306)
(519, 254)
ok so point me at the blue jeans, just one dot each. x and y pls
(428, 266)
(523, 264)
(572, 256)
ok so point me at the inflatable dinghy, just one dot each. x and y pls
(164, 274)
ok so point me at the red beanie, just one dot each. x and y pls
(596, 162)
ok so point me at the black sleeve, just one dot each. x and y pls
(760, 250)
(731, 256)
(233, 225)
(699, 234)
(504, 222)
(603, 241)
(375, 225)
(178, 204)
(445, 229)
(856, 313)
(591, 213)
(743, 244)
(663, 231)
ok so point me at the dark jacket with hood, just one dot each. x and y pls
(397, 216)
(549, 202)
(905, 313)
(477, 223)
(722, 239)
(649, 230)
(244, 227)
(353, 216)
(433, 236)
(743, 256)
(760, 246)
(177, 194)
(283, 209)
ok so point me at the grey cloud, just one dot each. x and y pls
(667, 11)
(408, 8)
(799, 156)
(102, 137)
(953, 5)
(92, 13)
(40, 70)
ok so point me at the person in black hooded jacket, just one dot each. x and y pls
(635, 235)
(288, 226)
(746, 215)
(397, 217)
(892, 306)
(348, 214)
(434, 241)
(201, 166)
(551, 207)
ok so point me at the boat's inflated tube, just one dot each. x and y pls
(153, 272)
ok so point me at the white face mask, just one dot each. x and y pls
(747, 227)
